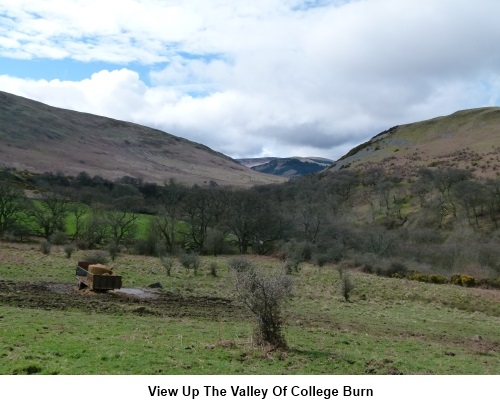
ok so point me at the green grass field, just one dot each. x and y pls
(193, 326)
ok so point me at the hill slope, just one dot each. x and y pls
(466, 139)
(38, 138)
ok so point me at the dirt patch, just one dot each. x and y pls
(60, 296)
(140, 293)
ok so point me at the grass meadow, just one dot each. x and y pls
(194, 325)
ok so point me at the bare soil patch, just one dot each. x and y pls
(63, 296)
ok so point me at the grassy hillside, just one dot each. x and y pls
(194, 325)
(467, 139)
(39, 138)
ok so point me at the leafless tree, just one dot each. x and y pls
(12, 205)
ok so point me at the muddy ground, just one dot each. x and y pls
(147, 302)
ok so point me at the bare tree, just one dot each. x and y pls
(50, 214)
(169, 212)
(202, 209)
(472, 196)
(12, 205)
(94, 230)
(121, 225)
(79, 211)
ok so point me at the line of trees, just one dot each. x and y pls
(329, 216)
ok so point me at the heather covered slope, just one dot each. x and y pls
(38, 138)
(468, 139)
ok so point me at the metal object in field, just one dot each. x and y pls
(97, 277)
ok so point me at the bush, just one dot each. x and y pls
(239, 264)
(367, 268)
(18, 233)
(306, 250)
(161, 249)
(45, 247)
(214, 269)
(437, 279)
(468, 281)
(336, 253)
(321, 259)
(96, 256)
(346, 284)
(264, 294)
(168, 263)
(418, 277)
(146, 247)
(113, 251)
(292, 265)
(190, 261)
(489, 283)
(298, 251)
(396, 270)
(69, 249)
(58, 238)
(463, 280)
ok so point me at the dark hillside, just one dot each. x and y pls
(40, 138)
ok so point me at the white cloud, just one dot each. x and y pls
(275, 77)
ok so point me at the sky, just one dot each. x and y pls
(255, 78)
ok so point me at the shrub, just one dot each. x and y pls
(418, 277)
(96, 256)
(367, 268)
(292, 265)
(437, 279)
(463, 280)
(213, 269)
(190, 261)
(297, 252)
(113, 250)
(489, 283)
(69, 249)
(239, 264)
(468, 281)
(45, 247)
(396, 270)
(336, 253)
(146, 247)
(58, 238)
(264, 294)
(160, 249)
(346, 284)
(168, 263)
(321, 259)
(306, 250)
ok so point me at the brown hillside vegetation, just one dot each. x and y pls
(468, 139)
(39, 138)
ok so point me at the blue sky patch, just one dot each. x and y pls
(65, 69)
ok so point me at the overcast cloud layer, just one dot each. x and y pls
(259, 77)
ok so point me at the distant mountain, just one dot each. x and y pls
(252, 162)
(287, 167)
(37, 138)
(468, 139)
